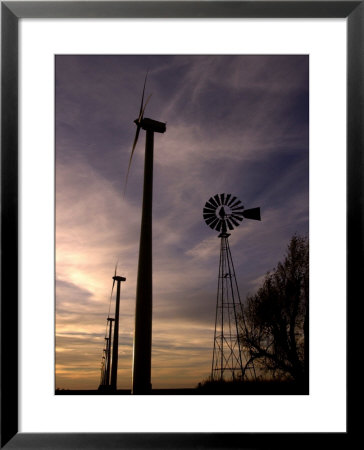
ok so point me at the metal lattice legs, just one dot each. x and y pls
(230, 361)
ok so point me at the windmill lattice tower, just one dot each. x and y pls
(230, 360)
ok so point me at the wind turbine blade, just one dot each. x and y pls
(112, 289)
(141, 104)
(142, 115)
(131, 156)
(113, 283)
(138, 123)
(134, 144)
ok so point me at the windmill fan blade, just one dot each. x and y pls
(235, 204)
(209, 220)
(236, 208)
(223, 213)
(208, 210)
(210, 205)
(218, 226)
(209, 216)
(229, 224)
(231, 201)
(253, 213)
(236, 217)
(208, 213)
(213, 223)
(234, 221)
(213, 202)
(217, 198)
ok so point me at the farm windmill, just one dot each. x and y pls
(230, 360)
(142, 354)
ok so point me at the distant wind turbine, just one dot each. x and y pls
(110, 359)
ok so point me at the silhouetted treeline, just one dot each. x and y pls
(276, 318)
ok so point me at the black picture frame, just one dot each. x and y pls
(11, 12)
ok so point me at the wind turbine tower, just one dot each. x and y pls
(142, 355)
(115, 345)
(108, 352)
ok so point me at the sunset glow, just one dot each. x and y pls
(235, 124)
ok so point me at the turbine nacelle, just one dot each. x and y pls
(117, 278)
(151, 125)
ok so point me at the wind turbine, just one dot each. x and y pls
(115, 345)
(142, 354)
(110, 361)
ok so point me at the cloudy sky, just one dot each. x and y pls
(235, 124)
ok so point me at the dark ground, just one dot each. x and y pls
(126, 392)
(247, 388)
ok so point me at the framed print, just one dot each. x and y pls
(265, 103)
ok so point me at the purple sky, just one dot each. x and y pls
(235, 124)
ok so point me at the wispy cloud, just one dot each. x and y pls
(236, 124)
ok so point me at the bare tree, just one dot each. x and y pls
(275, 326)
